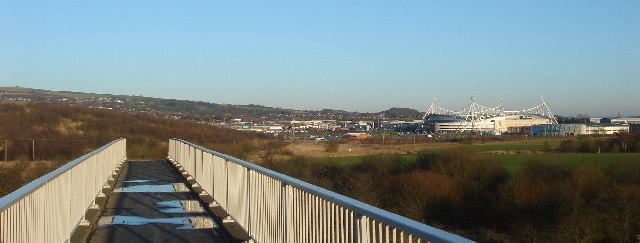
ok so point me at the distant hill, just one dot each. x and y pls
(191, 110)
(402, 113)
(182, 109)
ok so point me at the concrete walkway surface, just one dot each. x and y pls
(151, 202)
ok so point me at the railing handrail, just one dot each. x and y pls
(405, 224)
(19, 194)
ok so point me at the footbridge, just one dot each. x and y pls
(196, 195)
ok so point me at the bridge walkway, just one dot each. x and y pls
(151, 202)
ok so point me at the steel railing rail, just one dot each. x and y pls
(272, 207)
(49, 208)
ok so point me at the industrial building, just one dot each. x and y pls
(626, 120)
(579, 129)
(486, 120)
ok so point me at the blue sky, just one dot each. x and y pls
(368, 56)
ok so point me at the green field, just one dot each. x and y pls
(521, 145)
(515, 162)
(507, 146)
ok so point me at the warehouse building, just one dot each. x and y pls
(578, 129)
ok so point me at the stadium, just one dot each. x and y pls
(477, 118)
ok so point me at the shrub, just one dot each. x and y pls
(10, 177)
(422, 195)
(568, 146)
(67, 132)
(331, 146)
(625, 171)
(537, 195)
(465, 164)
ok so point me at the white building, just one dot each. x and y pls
(494, 125)
(483, 119)
(578, 129)
(628, 120)
(595, 120)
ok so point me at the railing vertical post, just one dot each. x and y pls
(194, 159)
(283, 211)
(201, 170)
(181, 154)
(199, 162)
(226, 193)
(248, 201)
(213, 175)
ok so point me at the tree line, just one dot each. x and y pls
(621, 143)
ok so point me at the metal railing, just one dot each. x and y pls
(272, 207)
(49, 208)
